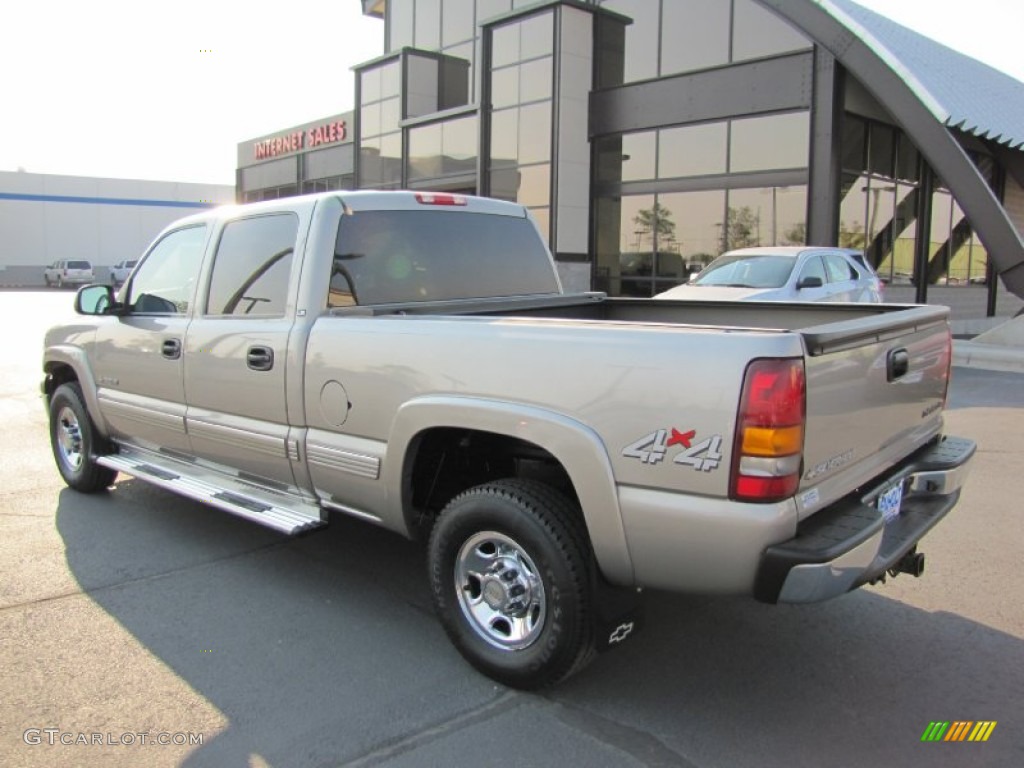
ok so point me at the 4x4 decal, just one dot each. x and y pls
(652, 449)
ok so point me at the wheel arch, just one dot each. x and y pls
(63, 364)
(576, 448)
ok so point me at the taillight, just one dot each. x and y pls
(769, 440)
(435, 198)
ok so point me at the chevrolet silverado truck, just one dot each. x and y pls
(410, 359)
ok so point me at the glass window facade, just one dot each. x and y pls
(380, 137)
(878, 209)
(770, 143)
(669, 37)
(521, 86)
(443, 150)
(648, 242)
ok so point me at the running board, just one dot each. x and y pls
(282, 512)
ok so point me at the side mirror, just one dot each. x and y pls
(95, 300)
(809, 282)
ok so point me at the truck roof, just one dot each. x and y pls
(365, 200)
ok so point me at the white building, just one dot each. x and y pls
(46, 217)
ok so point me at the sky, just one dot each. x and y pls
(167, 90)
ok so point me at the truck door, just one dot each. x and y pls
(236, 351)
(138, 356)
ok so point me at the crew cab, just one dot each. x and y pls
(410, 360)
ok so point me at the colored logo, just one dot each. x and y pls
(959, 730)
(652, 448)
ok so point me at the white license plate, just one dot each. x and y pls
(889, 502)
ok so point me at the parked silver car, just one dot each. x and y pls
(801, 273)
(68, 272)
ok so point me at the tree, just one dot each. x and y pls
(741, 228)
(795, 235)
(852, 236)
(655, 222)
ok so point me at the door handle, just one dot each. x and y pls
(171, 349)
(260, 358)
(897, 364)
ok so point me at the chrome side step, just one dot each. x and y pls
(282, 512)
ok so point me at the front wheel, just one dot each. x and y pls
(509, 570)
(75, 442)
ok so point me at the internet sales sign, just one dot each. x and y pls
(328, 133)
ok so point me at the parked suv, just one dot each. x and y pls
(120, 271)
(70, 272)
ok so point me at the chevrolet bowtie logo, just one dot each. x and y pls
(621, 633)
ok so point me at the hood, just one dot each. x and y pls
(718, 293)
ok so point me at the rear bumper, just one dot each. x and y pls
(849, 544)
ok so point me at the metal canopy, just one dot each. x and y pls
(924, 102)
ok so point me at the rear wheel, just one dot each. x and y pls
(509, 566)
(75, 442)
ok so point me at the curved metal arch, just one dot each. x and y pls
(884, 78)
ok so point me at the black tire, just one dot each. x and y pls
(76, 443)
(533, 534)
(60, 281)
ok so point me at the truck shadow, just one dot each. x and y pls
(324, 649)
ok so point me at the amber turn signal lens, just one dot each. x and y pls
(781, 441)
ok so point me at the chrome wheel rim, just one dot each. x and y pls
(69, 438)
(500, 591)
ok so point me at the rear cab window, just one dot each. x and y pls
(386, 257)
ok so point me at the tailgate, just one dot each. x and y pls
(875, 391)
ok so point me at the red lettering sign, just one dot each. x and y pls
(328, 133)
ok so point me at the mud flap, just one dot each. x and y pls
(618, 614)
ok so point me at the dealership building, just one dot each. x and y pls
(648, 136)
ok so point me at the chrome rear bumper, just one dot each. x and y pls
(849, 544)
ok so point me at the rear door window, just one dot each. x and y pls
(253, 265)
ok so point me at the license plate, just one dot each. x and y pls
(889, 502)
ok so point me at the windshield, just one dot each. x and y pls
(79, 265)
(746, 271)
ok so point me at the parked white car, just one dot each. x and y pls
(68, 272)
(801, 273)
(120, 271)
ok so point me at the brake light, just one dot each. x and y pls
(435, 198)
(769, 440)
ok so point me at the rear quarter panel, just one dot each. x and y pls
(653, 393)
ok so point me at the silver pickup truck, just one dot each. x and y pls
(411, 360)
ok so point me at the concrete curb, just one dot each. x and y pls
(993, 357)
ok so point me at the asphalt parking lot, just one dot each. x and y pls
(138, 612)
